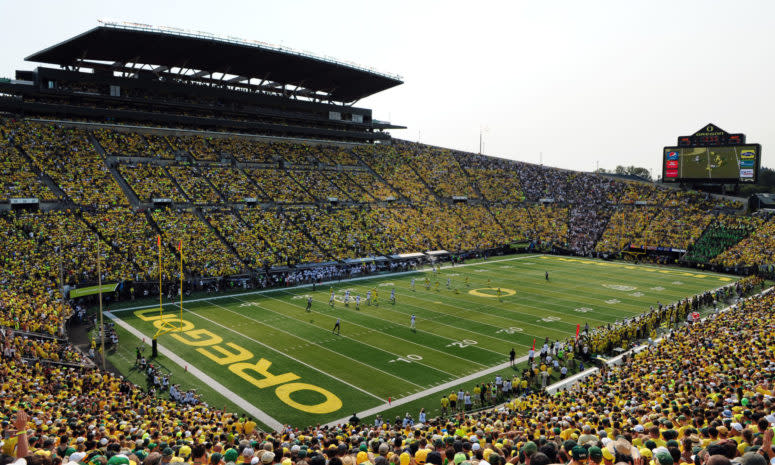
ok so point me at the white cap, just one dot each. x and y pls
(77, 456)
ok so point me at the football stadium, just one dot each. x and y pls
(214, 253)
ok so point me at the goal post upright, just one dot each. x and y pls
(180, 291)
(158, 244)
(167, 324)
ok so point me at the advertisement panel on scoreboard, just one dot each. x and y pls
(726, 164)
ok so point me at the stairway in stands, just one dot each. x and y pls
(112, 165)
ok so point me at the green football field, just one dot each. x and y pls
(269, 357)
(712, 163)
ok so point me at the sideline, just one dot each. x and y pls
(207, 380)
(429, 391)
(301, 286)
(551, 389)
(617, 360)
(668, 267)
(283, 354)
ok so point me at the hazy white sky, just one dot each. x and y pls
(579, 80)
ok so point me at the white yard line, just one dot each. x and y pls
(393, 336)
(271, 422)
(668, 269)
(429, 391)
(283, 354)
(443, 387)
(313, 343)
(247, 406)
(391, 309)
(207, 380)
(301, 286)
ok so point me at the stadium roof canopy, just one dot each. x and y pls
(196, 55)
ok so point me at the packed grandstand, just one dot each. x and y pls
(265, 209)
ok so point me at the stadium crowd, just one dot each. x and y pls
(194, 184)
(185, 227)
(19, 347)
(17, 178)
(756, 249)
(701, 396)
(585, 225)
(389, 164)
(150, 182)
(233, 185)
(625, 224)
(674, 227)
(244, 150)
(54, 149)
(721, 235)
(439, 169)
(624, 333)
(404, 191)
(121, 143)
(279, 186)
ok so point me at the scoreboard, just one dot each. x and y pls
(711, 155)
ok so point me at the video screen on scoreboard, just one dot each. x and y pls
(737, 163)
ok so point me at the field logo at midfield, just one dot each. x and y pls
(236, 357)
(619, 287)
(492, 292)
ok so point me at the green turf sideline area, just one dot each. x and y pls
(122, 357)
(264, 347)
